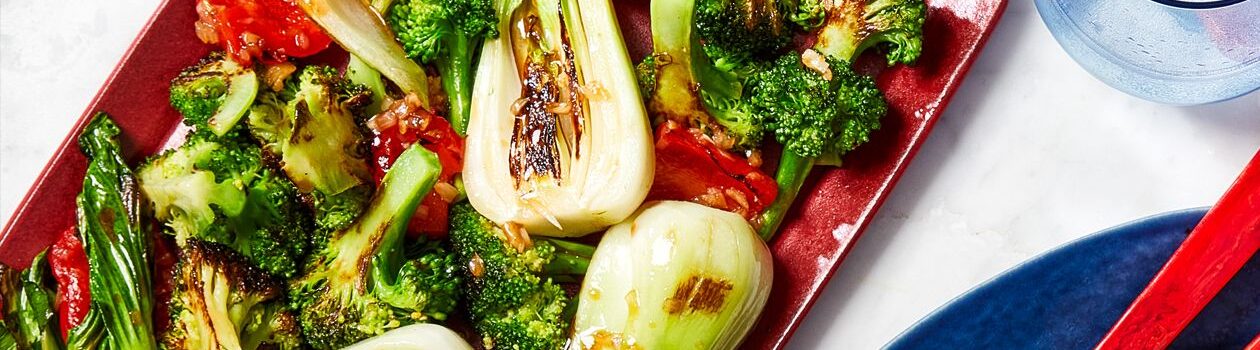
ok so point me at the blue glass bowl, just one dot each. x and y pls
(1167, 51)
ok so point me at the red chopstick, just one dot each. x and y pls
(1213, 253)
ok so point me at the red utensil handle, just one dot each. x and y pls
(1213, 253)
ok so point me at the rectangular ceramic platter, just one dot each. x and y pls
(836, 204)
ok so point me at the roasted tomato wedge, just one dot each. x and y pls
(70, 270)
(402, 124)
(268, 30)
(691, 168)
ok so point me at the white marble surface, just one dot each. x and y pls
(1031, 153)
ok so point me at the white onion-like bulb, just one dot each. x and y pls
(676, 275)
(421, 336)
(604, 174)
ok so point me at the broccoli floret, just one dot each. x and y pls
(854, 26)
(815, 115)
(822, 111)
(219, 301)
(364, 282)
(220, 189)
(448, 34)
(819, 112)
(513, 295)
(736, 31)
(311, 126)
(214, 94)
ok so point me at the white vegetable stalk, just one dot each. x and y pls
(420, 336)
(676, 275)
(558, 140)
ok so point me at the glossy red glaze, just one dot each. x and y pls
(836, 205)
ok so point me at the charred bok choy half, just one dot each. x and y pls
(365, 282)
(115, 240)
(675, 275)
(558, 141)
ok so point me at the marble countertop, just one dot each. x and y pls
(1033, 152)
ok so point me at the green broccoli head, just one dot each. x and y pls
(448, 34)
(311, 126)
(220, 189)
(816, 115)
(513, 301)
(854, 26)
(735, 31)
(365, 282)
(219, 301)
(427, 27)
(214, 94)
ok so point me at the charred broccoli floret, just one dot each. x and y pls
(221, 190)
(365, 282)
(854, 26)
(311, 126)
(219, 301)
(513, 295)
(736, 31)
(214, 94)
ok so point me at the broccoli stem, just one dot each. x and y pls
(400, 193)
(793, 169)
(456, 70)
(570, 259)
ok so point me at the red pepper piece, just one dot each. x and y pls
(691, 168)
(1213, 253)
(269, 30)
(70, 270)
(435, 134)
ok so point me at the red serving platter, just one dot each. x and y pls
(836, 205)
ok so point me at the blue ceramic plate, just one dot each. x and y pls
(1070, 297)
